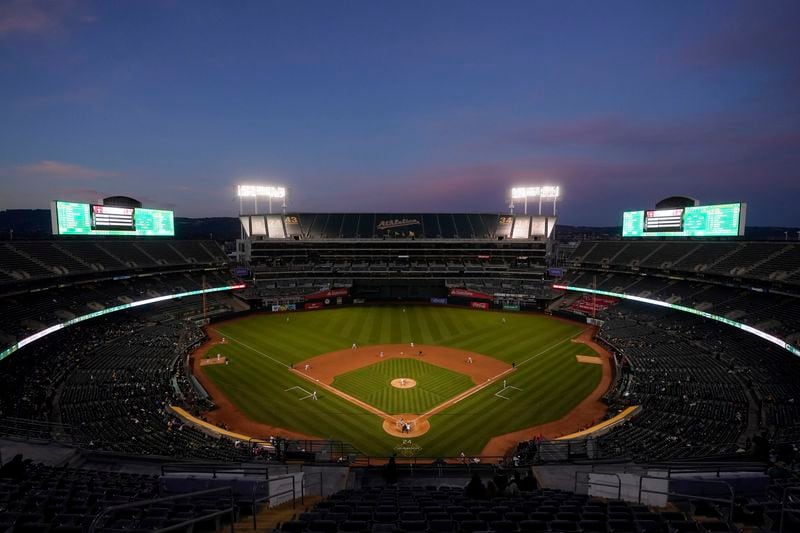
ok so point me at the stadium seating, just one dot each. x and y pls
(498, 508)
(40, 499)
(28, 312)
(109, 383)
(777, 262)
(706, 389)
(365, 226)
(106, 383)
(32, 260)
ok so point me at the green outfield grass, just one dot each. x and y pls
(372, 385)
(262, 347)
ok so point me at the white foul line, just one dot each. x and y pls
(559, 343)
(478, 388)
(253, 349)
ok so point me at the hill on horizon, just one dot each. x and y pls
(34, 224)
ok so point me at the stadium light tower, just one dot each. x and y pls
(256, 191)
(546, 192)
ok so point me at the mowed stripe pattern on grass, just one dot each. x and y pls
(553, 382)
(372, 384)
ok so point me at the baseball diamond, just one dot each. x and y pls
(460, 360)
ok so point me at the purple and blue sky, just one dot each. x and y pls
(402, 106)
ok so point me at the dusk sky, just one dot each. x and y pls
(402, 106)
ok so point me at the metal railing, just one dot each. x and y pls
(245, 469)
(256, 500)
(728, 502)
(36, 430)
(95, 525)
(218, 469)
(709, 467)
(590, 483)
(784, 509)
(260, 492)
(444, 462)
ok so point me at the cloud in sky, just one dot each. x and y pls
(40, 18)
(59, 170)
(728, 131)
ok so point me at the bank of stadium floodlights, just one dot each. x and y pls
(744, 327)
(52, 329)
(261, 191)
(540, 192)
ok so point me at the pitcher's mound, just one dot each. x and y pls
(404, 383)
(419, 426)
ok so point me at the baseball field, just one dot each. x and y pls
(444, 380)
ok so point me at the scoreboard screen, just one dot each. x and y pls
(723, 220)
(663, 220)
(111, 217)
(71, 218)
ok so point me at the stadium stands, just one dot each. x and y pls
(394, 225)
(775, 262)
(504, 503)
(39, 260)
(106, 383)
(37, 499)
(425, 253)
(706, 389)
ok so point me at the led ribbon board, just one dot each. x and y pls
(723, 220)
(52, 329)
(749, 329)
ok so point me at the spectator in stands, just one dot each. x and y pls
(528, 483)
(491, 490)
(391, 471)
(475, 489)
(512, 489)
(15, 468)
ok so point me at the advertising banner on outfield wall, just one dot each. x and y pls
(313, 305)
(334, 293)
(439, 301)
(479, 305)
(464, 293)
(510, 307)
(276, 308)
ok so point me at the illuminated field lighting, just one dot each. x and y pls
(253, 191)
(542, 192)
(261, 191)
(548, 191)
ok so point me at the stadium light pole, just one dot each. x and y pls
(254, 191)
(539, 192)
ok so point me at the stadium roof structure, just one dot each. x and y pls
(303, 226)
